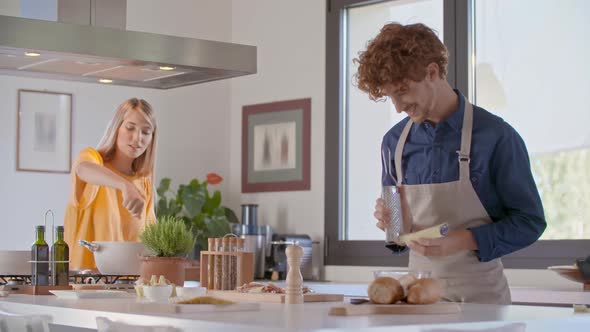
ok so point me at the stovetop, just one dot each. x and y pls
(75, 278)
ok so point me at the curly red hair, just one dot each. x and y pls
(398, 53)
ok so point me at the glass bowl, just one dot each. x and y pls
(396, 274)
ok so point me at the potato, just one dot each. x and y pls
(425, 291)
(385, 290)
(407, 281)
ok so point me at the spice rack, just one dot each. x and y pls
(45, 289)
(210, 260)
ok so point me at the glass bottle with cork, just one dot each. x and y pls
(40, 259)
(60, 254)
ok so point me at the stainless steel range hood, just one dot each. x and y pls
(93, 53)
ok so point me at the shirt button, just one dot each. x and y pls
(474, 179)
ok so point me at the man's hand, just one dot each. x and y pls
(382, 214)
(133, 200)
(454, 242)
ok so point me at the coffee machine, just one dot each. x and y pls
(256, 237)
(276, 262)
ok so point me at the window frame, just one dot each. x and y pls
(458, 29)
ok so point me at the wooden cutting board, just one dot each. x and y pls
(388, 309)
(194, 308)
(272, 298)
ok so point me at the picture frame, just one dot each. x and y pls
(276, 141)
(44, 131)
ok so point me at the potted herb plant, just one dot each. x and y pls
(170, 241)
(200, 209)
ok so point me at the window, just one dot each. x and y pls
(499, 62)
(368, 121)
(536, 76)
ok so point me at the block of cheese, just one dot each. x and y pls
(427, 233)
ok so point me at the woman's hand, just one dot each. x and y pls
(382, 214)
(454, 242)
(133, 201)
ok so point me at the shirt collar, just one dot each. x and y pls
(455, 121)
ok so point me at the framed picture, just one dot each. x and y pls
(44, 131)
(276, 139)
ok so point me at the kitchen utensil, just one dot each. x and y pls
(405, 309)
(391, 196)
(359, 301)
(15, 263)
(117, 258)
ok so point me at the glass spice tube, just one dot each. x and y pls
(239, 247)
(218, 265)
(225, 270)
(233, 263)
(210, 263)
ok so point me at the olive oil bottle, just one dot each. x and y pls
(60, 254)
(40, 259)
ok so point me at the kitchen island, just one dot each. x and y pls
(82, 313)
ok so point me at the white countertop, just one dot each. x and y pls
(564, 296)
(307, 317)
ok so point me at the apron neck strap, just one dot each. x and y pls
(399, 149)
(463, 154)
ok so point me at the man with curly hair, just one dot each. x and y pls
(455, 163)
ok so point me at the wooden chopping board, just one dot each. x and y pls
(272, 298)
(387, 309)
(195, 308)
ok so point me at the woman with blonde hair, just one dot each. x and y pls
(111, 187)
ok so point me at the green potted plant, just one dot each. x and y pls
(200, 210)
(170, 241)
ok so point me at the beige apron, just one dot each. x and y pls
(462, 275)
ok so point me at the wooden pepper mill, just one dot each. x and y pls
(294, 289)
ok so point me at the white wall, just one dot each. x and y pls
(290, 36)
(192, 121)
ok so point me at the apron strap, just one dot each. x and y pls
(464, 153)
(399, 149)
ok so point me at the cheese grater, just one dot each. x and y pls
(391, 196)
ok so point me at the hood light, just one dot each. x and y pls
(32, 54)
(105, 80)
(167, 68)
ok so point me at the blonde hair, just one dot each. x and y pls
(144, 164)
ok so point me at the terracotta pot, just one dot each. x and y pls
(172, 268)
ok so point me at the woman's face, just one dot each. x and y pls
(135, 134)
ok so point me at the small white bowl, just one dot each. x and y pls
(190, 292)
(157, 293)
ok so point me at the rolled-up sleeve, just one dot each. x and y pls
(523, 220)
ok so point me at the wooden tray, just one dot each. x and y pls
(155, 307)
(387, 309)
(272, 298)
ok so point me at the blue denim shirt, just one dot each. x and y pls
(499, 171)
